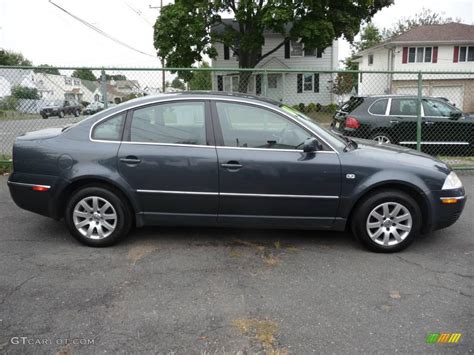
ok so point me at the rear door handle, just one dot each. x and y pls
(394, 121)
(232, 165)
(132, 160)
(429, 122)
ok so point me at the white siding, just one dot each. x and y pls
(287, 83)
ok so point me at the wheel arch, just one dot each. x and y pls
(412, 190)
(81, 182)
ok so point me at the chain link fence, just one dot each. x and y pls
(429, 111)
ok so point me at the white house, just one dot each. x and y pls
(448, 48)
(290, 88)
(58, 87)
(17, 77)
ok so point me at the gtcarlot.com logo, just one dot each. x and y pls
(49, 341)
(443, 338)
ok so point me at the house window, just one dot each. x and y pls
(420, 54)
(308, 82)
(227, 83)
(319, 53)
(371, 59)
(309, 52)
(466, 54)
(67, 80)
(235, 84)
(296, 49)
(77, 82)
(272, 81)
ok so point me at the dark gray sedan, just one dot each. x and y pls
(213, 159)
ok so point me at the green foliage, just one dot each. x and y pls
(8, 103)
(370, 36)
(424, 17)
(130, 97)
(84, 74)
(47, 69)
(178, 84)
(331, 108)
(115, 77)
(182, 32)
(23, 92)
(343, 83)
(13, 58)
(201, 80)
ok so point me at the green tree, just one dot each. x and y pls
(13, 58)
(84, 74)
(201, 80)
(424, 17)
(47, 69)
(178, 84)
(182, 32)
(369, 36)
(115, 77)
(23, 92)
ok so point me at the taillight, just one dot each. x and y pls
(351, 122)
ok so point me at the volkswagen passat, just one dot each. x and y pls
(210, 159)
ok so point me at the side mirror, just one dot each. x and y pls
(312, 145)
(454, 115)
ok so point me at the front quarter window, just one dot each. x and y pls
(110, 129)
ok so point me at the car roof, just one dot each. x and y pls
(208, 95)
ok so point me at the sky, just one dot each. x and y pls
(45, 34)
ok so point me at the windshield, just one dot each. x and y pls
(314, 125)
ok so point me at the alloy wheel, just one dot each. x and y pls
(389, 223)
(95, 217)
(381, 139)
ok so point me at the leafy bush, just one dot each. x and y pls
(23, 92)
(311, 107)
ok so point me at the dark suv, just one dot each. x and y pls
(61, 108)
(393, 119)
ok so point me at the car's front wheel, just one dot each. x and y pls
(61, 114)
(76, 113)
(387, 221)
(98, 217)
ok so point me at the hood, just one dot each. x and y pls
(391, 155)
(41, 134)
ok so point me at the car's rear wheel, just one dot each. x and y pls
(97, 217)
(45, 116)
(382, 138)
(387, 221)
(61, 114)
(76, 113)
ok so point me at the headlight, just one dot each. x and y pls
(452, 182)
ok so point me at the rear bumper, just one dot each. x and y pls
(35, 193)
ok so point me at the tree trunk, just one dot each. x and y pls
(246, 60)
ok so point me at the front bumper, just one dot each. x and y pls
(446, 214)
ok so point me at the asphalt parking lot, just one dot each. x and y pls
(197, 290)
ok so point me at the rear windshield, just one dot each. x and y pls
(352, 104)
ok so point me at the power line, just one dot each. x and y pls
(98, 30)
(139, 13)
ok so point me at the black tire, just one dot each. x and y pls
(365, 207)
(376, 135)
(123, 213)
(76, 113)
(44, 116)
(61, 114)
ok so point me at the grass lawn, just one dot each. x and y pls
(321, 117)
(15, 115)
(5, 164)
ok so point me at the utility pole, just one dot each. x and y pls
(163, 73)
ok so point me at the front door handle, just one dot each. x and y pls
(232, 165)
(131, 159)
(394, 121)
(429, 122)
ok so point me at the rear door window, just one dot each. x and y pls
(379, 107)
(403, 107)
(170, 123)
